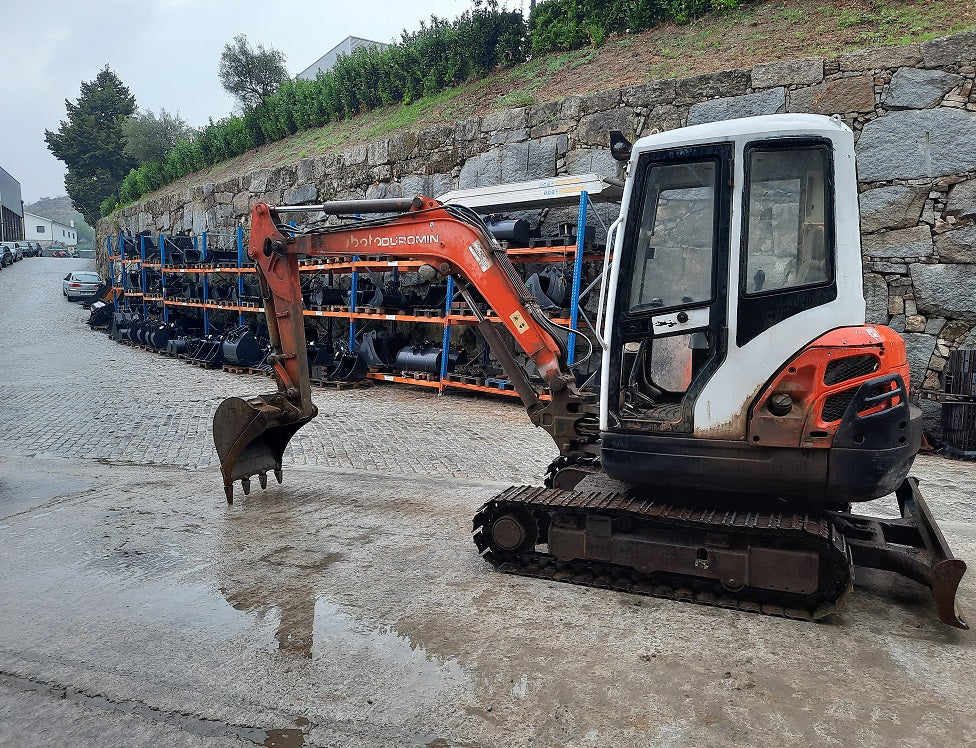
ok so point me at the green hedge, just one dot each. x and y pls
(440, 55)
(561, 25)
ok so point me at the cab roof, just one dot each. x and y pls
(747, 128)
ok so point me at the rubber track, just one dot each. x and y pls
(804, 530)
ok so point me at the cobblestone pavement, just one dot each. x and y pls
(349, 608)
(72, 392)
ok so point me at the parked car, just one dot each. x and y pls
(81, 285)
(16, 250)
(6, 256)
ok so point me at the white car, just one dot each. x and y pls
(81, 285)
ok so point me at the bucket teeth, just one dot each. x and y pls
(263, 479)
(277, 474)
(229, 493)
(246, 485)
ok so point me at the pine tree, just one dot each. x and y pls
(91, 143)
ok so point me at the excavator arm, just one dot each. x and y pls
(250, 434)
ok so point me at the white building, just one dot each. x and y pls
(346, 47)
(47, 231)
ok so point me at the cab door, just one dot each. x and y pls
(670, 306)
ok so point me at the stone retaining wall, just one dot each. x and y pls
(912, 109)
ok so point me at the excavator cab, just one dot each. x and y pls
(738, 252)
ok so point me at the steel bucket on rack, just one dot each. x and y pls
(427, 358)
(132, 334)
(101, 313)
(435, 297)
(177, 346)
(549, 287)
(350, 367)
(223, 292)
(222, 257)
(321, 295)
(516, 230)
(207, 350)
(148, 244)
(158, 335)
(241, 348)
(321, 353)
(121, 321)
(379, 348)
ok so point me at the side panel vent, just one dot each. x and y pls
(836, 405)
(850, 367)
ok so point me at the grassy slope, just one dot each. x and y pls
(760, 32)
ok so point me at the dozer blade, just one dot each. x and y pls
(250, 436)
(912, 546)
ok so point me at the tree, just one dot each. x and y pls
(248, 75)
(150, 138)
(91, 143)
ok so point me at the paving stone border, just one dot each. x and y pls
(912, 109)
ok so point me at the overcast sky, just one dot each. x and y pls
(165, 51)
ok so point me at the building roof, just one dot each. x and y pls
(53, 221)
(346, 47)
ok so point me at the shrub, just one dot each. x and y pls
(562, 25)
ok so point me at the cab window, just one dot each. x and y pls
(675, 241)
(788, 244)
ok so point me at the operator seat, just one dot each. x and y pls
(812, 265)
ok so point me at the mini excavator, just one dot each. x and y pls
(742, 404)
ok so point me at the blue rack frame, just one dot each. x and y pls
(201, 243)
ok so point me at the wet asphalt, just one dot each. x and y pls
(348, 607)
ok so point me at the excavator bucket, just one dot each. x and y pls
(250, 436)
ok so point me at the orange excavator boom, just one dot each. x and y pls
(251, 434)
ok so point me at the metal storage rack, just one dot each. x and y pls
(572, 191)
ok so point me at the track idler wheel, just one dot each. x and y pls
(504, 532)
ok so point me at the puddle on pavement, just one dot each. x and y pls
(278, 585)
(110, 596)
(281, 576)
(27, 491)
(207, 728)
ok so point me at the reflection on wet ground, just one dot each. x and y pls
(283, 588)
(285, 585)
(339, 636)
